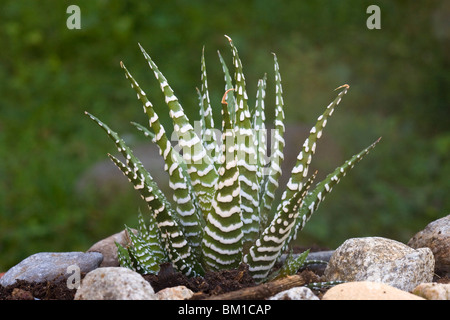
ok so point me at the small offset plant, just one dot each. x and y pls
(223, 211)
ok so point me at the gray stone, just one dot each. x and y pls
(48, 266)
(113, 283)
(108, 248)
(297, 293)
(436, 236)
(381, 260)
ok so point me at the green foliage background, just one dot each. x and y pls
(399, 89)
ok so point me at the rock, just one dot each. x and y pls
(367, 290)
(20, 294)
(433, 291)
(436, 236)
(175, 293)
(48, 266)
(108, 248)
(297, 293)
(381, 260)
(114, 283)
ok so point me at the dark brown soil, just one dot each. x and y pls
(213, 283)
(50, 290)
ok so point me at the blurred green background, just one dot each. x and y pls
(49, 75)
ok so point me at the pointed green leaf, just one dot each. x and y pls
(304, 158)
(171, 233)
(276, 159)
(138, 172)
(188, 213)
(142, 181)
(151, 235)
(246, 153)
(266, 250)
(259, 126)
(200, 166)
(124, 257)
(222, 241)
(291, 265)
(317, 195)
(231, 102)
(146, 261)
(208, 136)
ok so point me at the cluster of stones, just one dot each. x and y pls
(372, 268)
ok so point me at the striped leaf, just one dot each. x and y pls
(164, 215)
(277, 157)
(180, 159)
(188, 213)
(300, 170)
(151, 235)
(231, 102)
(317, 195)
(123, 256)
(291, 265)
(266, 250)
(260, 133)
(177, 247)
(200, 166)
(208, 137)
(141, 255)
(133, 166)
(246, 153)
(222, 242)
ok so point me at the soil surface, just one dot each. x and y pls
(213, 283)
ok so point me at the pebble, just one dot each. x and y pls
(381, 260)
(433, 291)
(114, 283)
(49, 266)
(175, 293)
(436, 236)
(367, 290)
(297, 293)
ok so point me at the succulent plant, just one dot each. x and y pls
(223, 212)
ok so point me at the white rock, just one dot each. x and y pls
(381, 260)
(297, 293)
(112, 283)
(175, 293)
(366, 290)
(433, 291)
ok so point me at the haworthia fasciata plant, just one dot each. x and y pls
(222, 213)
